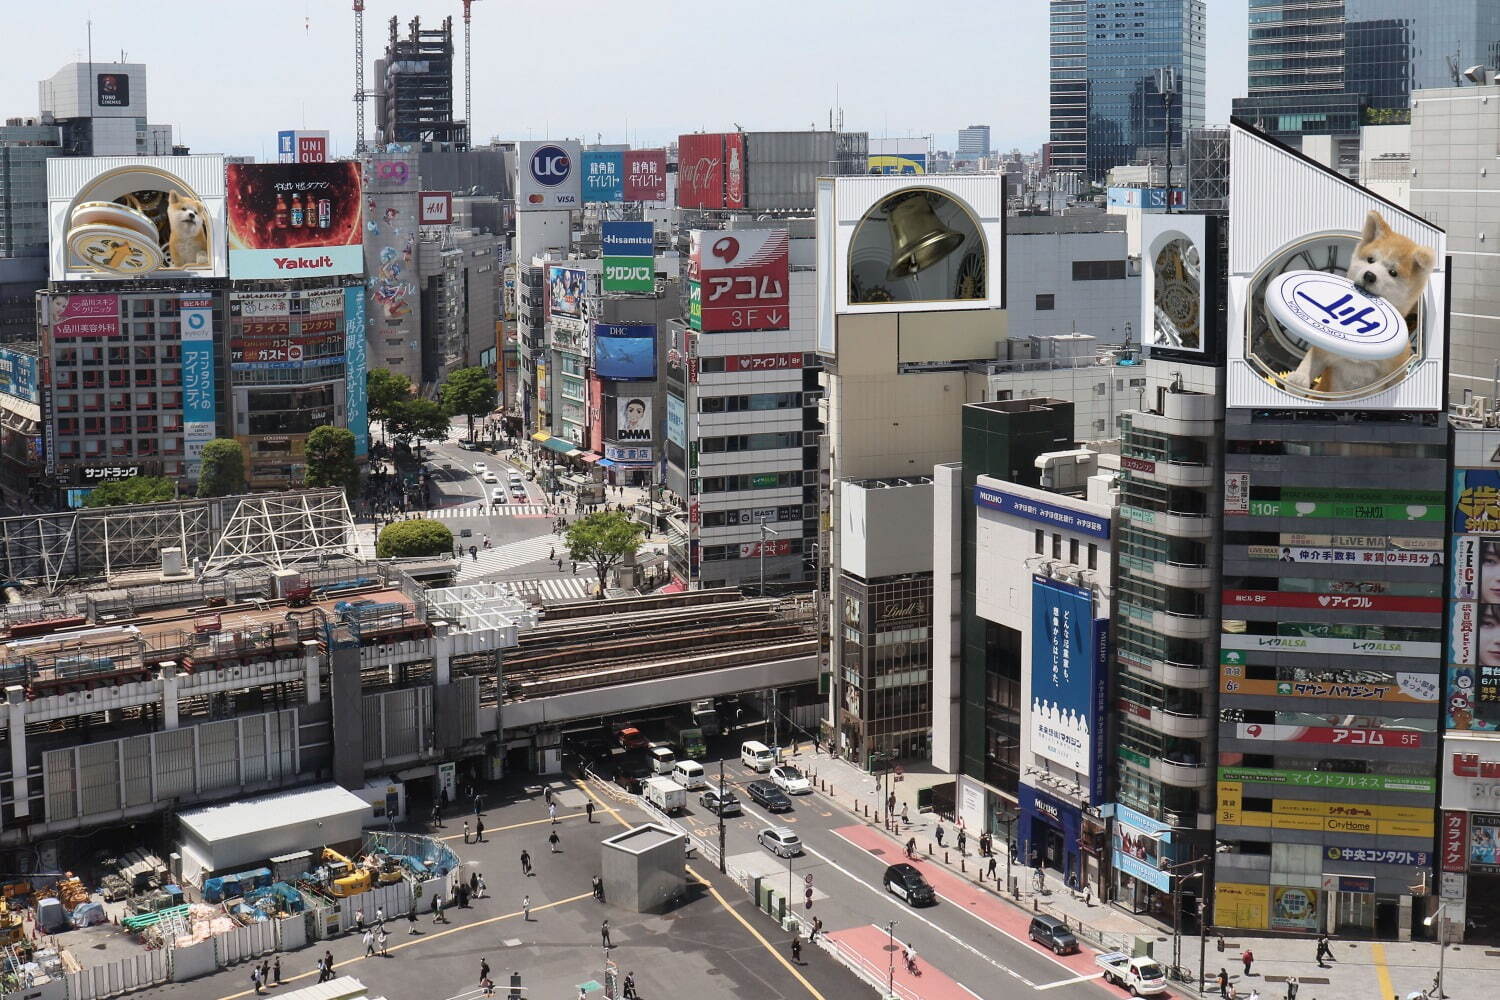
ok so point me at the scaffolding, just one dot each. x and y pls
(283, 531)
(1208, 170)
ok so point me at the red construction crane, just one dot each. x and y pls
(359, 76)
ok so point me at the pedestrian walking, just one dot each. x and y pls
(598, 884)
(1247, 956)
(369, 940)
(905, 818)
(379, 916)
(381, 939)
(1224, 983)
(525, 863)
(479, 831)
(483, 890)
(1292, 985)
(962, 839)
(484, 969)
(994, 861)
(938, 833)
(466, 831)
(589, 808)
(437, 909)
(477, 803)
(553, 841)
(255, 978)
(473, 883)
(797, 948)
(1324, 952)
(411, 918)
(552, 553)
(552, 812)
(547, 794)
(328, 964)
(359, 921)
(604, 935)
(1254, 993)
(817, 928)
(526, 908)
(437, 815)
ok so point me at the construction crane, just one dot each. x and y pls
(359, 77)
(468, 48)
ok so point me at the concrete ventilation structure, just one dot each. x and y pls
(414, 102)
(643, 869)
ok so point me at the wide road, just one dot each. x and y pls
(971, 937)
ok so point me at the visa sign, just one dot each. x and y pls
(629, 274)
(549, 176)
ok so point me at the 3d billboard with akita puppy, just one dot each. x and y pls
(1336, 297)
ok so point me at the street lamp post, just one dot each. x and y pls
(721, 815)
(1436, 917)
(1177, 879)
(890, 950)
(1008, 816)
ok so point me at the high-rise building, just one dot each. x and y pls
(415, 79)
(973, 142)
(1108, 101)
(1326, 67)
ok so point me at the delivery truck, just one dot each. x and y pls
(665, 794)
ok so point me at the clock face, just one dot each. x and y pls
(1277, 353)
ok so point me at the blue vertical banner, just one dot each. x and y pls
(356, 408)
(199, 412)
(603, 176)
(1066, 676)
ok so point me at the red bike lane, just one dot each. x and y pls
(955, 891)
(870, 948)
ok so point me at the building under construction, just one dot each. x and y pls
(415, 79)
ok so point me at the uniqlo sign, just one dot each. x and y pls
(645, 175)
(312, 149)
(1454, 847)
(744, 279)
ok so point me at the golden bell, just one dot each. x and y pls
(918, 239)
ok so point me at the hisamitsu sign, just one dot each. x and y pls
(1037, 510)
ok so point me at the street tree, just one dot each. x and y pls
(330, 459)
(602, 540)
(469, 392)
(417, 537)
(223, 470)
(384, 391)
(140, 489)
(417, 420)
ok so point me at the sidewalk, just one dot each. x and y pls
(1361, 970)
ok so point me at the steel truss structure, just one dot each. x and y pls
(282, 530)
(1208, 170)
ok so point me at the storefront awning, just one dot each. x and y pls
(675, 587)
(589, 457)
(606, 463)
(541, 437)
(558, 445)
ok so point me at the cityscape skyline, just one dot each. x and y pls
(303, 81)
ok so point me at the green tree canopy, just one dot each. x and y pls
(420, 537)
(330, 459)
(384, 391)
(141, 489)
(469, 392)
(418, 420)
(223, 470)
(602, 540)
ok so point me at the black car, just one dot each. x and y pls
(905, 881)
(720, 803)
(768, 795)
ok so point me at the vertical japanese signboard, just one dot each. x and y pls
(356, 407)
(198, 410)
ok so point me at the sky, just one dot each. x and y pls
(230, 75)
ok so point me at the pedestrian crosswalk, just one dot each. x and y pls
(476, 509)
(490, 562)
(562, 588)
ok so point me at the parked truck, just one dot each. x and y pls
(665, 794)
(706, 717)
(1141, 974)
(691, 741)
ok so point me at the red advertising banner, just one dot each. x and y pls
(1137, 464)
(645, 175)
(745, 279)
(761, 362)
(1327, 734)
(1331, 602)
(85, 316)
(700, 171)
(312, 149)
(773, 547)
(1453, 846)
(734, 170)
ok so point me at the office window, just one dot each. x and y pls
(1098, 270)
(1046, 303)
(1073, 551)
(1041, 541)
(1093, 556)
(1056, 546)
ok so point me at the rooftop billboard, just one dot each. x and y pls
(295, 220)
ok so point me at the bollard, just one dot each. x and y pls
(962, 868)
(945, 857)
(1036, 906)
(929, 848)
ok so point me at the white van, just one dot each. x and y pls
(662, 760)
(689, 774)
(757, 756)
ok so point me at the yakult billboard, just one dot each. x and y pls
(295, 220)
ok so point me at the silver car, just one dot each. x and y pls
(780, 841)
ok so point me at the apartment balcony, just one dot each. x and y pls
(1184, 525)
(1184, 676)
(1184, 775)
(1191, 727)
(1183, 626)
(1165, 424)
(1189, 576)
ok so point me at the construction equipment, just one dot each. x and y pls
(345, 878)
